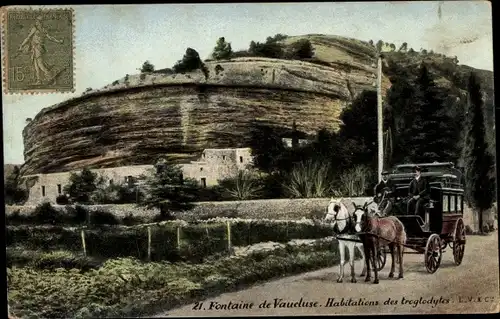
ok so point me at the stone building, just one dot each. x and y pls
(212, 166)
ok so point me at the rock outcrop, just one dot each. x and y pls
(140, 117)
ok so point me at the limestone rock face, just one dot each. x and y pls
(142, 117)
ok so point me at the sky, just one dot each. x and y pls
(112, 40)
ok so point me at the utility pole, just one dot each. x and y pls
(380, 120)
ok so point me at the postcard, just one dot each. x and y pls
(249, 159)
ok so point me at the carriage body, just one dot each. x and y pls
(442, 222)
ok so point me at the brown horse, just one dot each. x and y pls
(382, 231)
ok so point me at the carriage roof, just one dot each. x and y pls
(442, 175)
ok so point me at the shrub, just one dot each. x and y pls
(197, 240)
(272, 50)
(130, 220)
(64, 259)
(62, 200)
(301, 49)
(129, 288)
(100, 217)
(80, 215)
(147, 67)
(244, 186)
(355, 181)
(242, 54)
(210, 194)
(16, 218)
(308, 179)
(190, 61)
(46, 214)
(43, 238)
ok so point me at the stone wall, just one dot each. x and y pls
(217, 164)
(272, 209)
(214, 165)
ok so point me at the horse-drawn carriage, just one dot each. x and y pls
(440, 223)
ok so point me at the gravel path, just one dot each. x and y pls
(452, 289)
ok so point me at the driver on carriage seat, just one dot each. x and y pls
(385, 185)
(418, 192)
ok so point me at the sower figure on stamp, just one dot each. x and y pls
(418, 192)
(383, 191)
(34, 42)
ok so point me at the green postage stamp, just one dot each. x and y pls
(38, 46)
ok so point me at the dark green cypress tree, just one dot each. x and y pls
(479, 163)
(358, 131)
(168, 190)
(399, 114)
(431, 136)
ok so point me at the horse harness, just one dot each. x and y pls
(350, 223)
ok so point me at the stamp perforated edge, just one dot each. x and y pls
(3, 26)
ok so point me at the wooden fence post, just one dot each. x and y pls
(82, 233)
(228, 236)
(149, 242)
(179, 238)
(287, 237)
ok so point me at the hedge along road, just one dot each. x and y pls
(472, 287)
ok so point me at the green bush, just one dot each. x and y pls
(130, 220)
(43, 238)
(100, 217)
(46, 214)
(129, 288)
(50, 260)
(16, 219)
(62, 200)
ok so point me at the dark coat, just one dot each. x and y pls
(380, 186)
(419, 187)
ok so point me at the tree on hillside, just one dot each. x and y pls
(82, 186)
(403, 47)
(479, 163)
(302, 49)
(147, 67)
(271, 49)
(222, 50)
(431, 135)
(14, 193)
(358, 131)
(190, 61)
(267, 147)
(399, 113)
(379, 45)
(277, 37)
(167, 190)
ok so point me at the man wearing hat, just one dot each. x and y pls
(384, 185)
(418, 192)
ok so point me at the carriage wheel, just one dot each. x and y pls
(459, 242)
(382, 257)
(433, 253)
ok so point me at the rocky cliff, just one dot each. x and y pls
(140, 117)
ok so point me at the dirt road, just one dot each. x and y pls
(472, 287)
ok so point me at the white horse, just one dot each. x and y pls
(346, 226)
